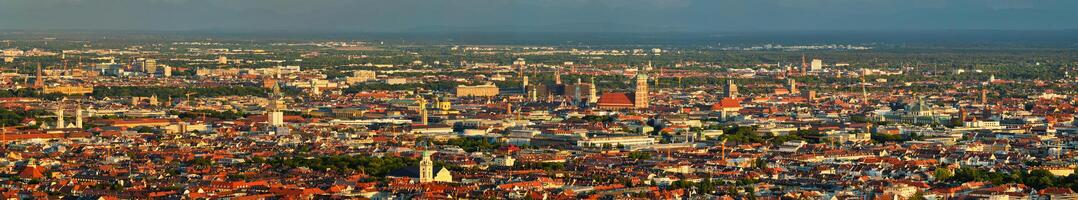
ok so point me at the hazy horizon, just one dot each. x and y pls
(537, 15)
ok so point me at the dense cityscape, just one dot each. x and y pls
(209, 118)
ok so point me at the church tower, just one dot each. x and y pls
(275, 116)
(804, 64)
(641, 95)
(593, 97)
(526, 88)
(426, 168)
(78, 116)
(444, 104)
(60, 116)
(557, 77)
(423, 120)
(153, 100)
(731, 89)
(39, 81)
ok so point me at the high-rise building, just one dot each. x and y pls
(791, 85)
(817, 65)
(166, 71)
(804, 64)
(520, 64)
(577, 99)
(640, 100)
(149, 66)
(63, 61)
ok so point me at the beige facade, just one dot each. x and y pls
(477, 91)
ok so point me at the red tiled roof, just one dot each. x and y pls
(726, 103)
(1056, 191)
(615, 99)
(31, 172)
(121, 122)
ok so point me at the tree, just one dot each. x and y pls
(473, 144)
(639, 155)
(742, 134)
(943, 173)
(1038, 179)
(918, 196)
(10, 118)
(759, 163)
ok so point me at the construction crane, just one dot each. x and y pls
(723, 146)
(864, 92)
(188, 95)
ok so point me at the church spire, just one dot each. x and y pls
(39, 82)
(592, 92)
(557, 77)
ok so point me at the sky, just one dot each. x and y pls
(537, 15)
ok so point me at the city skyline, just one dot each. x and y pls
(539, 99)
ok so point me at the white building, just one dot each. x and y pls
(360, 76)
(631, 142)
(817, 65)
